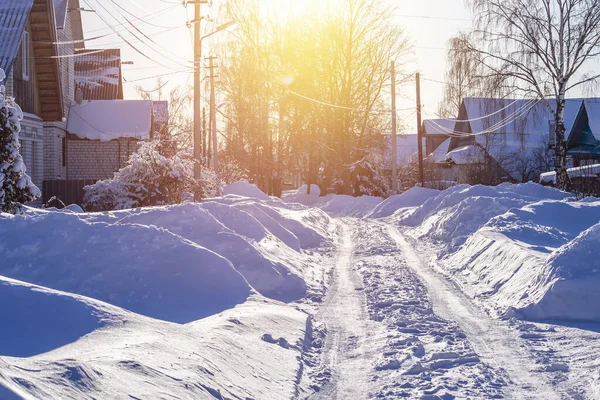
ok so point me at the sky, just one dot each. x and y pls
(428, 23)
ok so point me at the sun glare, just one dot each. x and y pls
(283, 10)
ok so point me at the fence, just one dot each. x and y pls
(68, 191)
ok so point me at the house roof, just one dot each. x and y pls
(466, 155)
(111, 119)
(60, 13)
(439, 154)
(592, 106)
(441, 126)
(98, 74)
(13, 18)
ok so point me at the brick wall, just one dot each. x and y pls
(93, 159)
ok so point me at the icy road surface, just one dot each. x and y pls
(395, 329)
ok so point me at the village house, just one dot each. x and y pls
(77, 128)
(500, 140)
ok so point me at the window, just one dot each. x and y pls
(25, 56)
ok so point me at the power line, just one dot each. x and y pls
(342, 107)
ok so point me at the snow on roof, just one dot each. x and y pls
(60, 13)
(440, 153)
(466, 155)
(516, 116)
(592, 106)
(13, 17)
(438, 126)
(586, 171)
(111, 119)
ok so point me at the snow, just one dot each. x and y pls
(440, 126)
(145, 269)
(253, 297)
(413, 197)
(111, 119)
(521, 249)
(245, 189)
(348, 206)
(586, 171)
(440, 153)
(300, 195)
(187, 299)
(466, 155)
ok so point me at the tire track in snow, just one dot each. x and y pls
(493, 342)
(350, 346)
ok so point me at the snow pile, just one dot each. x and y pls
(574, 278)
(144, 269)
(245, 189)
(413, 197)
(525, 250)
(533, 260)
(138, 303)
(454, 214)
(300, 195)
(197, 224)
(348, 206)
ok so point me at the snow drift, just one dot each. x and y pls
(144, 269)
(413, 197)
(522, 249)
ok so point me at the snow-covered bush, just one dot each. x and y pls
(151, 177)
(16, 187)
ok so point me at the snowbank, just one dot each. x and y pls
(574, 281)
(198, 224)
(144, 269)
(300, 195)
(245, 189)
(251, 351)
(534, 260)
(348, 206)
(413, 197)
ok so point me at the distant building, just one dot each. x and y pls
(584, 137)
(436, 132)
(498, 140)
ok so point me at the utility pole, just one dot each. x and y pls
(213, 116)
(419, 130)
(197, 61)
(394, 139)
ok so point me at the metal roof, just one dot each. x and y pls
(98, 74)
(13, 18)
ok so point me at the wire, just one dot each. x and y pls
(123, 38)
(499, 125)
(144, 34)
(342, 107)
(430, 17)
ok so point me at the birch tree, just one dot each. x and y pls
(541, 48)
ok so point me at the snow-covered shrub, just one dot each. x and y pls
(366, 180)
(16, 187)
(151, 177)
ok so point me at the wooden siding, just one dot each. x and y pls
(43, 34)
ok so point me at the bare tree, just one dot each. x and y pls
(180, 101)
(463, 75)
(541, 48)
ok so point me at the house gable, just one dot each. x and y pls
(583, 141)
(47, 63)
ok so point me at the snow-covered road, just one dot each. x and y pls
(395, 328)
